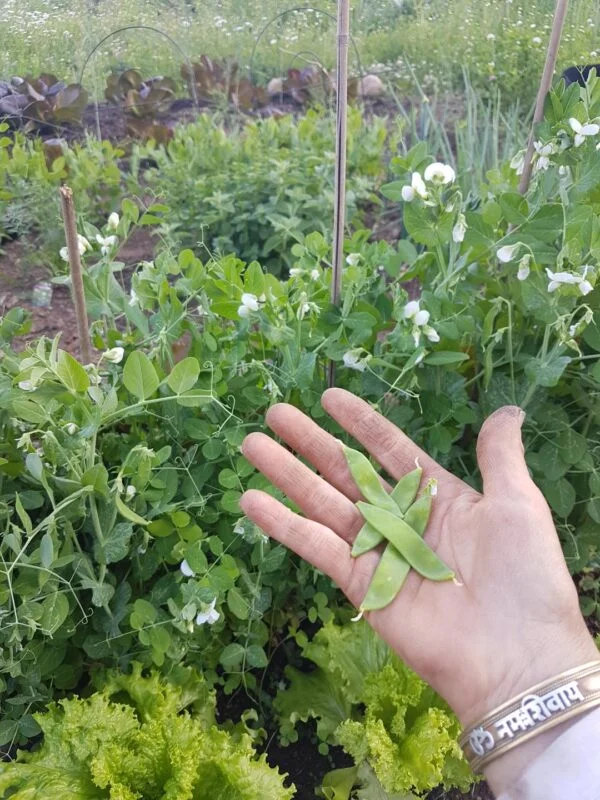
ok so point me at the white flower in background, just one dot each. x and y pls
(543, 153)
(186, 569)
(296, 272)
(416, 188)
(421, 318)
(439, 173)
(210, 615)
(460, 229)
(315, 275)
(508, 252)
(536, 40)
(71, 428)
(134, 300)
(518, 162)
(82, 244)
(353, 260)
(114, 355)
(524, 268)
(106, 243)
(27, 386)
(558, 279)
(249, 304)
(353, 360)
(431, 334)
(583, 130)
(411, 309)
(564, 172)
(130, 492)
(490, 37)
(113, 221)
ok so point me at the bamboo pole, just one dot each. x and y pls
(545, 84)
(339, 223)
(70, 223)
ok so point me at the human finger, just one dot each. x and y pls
(500, 452)
(315, 496)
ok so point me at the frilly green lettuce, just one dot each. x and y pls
(401, 735)
(141, 738)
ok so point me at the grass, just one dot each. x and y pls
(500, 42)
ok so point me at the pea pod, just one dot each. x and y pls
(403, 495)
(368, 481)
(393, 568)
(408, 543)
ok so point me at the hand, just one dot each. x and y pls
(514, 622)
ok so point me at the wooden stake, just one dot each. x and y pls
(545, 84)
(83, 331)
(339, 222)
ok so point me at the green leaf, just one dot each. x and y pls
(29, 410)
(560, 495)
(97, 477)
(338, 783)
(184, 376)
(425, 228)
(256, 658)
(572, 445)
(231, 502)
(55, 611)
(46, 550)
(116, 543)
(443, 358)
(128, 513)
(34, 465)
(71, 373)
(232, 656)
(139, 376)
(236, 604)
(547, 372)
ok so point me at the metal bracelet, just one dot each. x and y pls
(535, 711)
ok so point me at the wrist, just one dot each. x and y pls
(548, 665)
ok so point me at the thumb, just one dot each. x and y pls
(500, 451)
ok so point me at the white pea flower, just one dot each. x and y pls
(518, 162)
(249, 304)
(113, 221)
(583, 130)
(508, 252)
(431, 334)
(315, 275)
(71, 428)
(558, 279)
(411, 309)
(440, 173)
(134, 300)
(585, 287)
(27, 386)
(114, 355)
(186, 569)
(422, 318)
(353, 360)
(490, 37)
(524, 268)
(416, 188)
(106, 243)
(296, 272)
(130, 492)
(408, 194)
(460, 229)
(536, 40)
(210, 615)
(83, 243)
(543, 153)
(353, 260)
(64, 253)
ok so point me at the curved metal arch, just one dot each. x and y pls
(294, 11)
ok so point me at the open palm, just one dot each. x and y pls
(513, 620)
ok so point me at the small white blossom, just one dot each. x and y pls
(130, 492)
(353, 360)
(460, 229)
(210, 615)
(186, 569)
(558, 279)
(71, 428)
(543, 153)
(353, 260)
(27, 386)
(106, 243)
(440, 173)
(249, 304)
(113, 221)
(490, 37)
(416, 188)
(411, 309)
(583, 130)
(315, 275)
(518, 162)
(536, 40)
(134, 300)
(295, 272)
(114, 355)
(508, 252)
(431, 334)
(408, 194)
(524, 268)
(422, 318)
(82, 244)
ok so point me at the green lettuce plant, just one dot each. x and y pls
(141, 738)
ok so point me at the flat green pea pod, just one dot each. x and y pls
(368, 481)
(393, 568)
(404, 496)
(408, 543)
